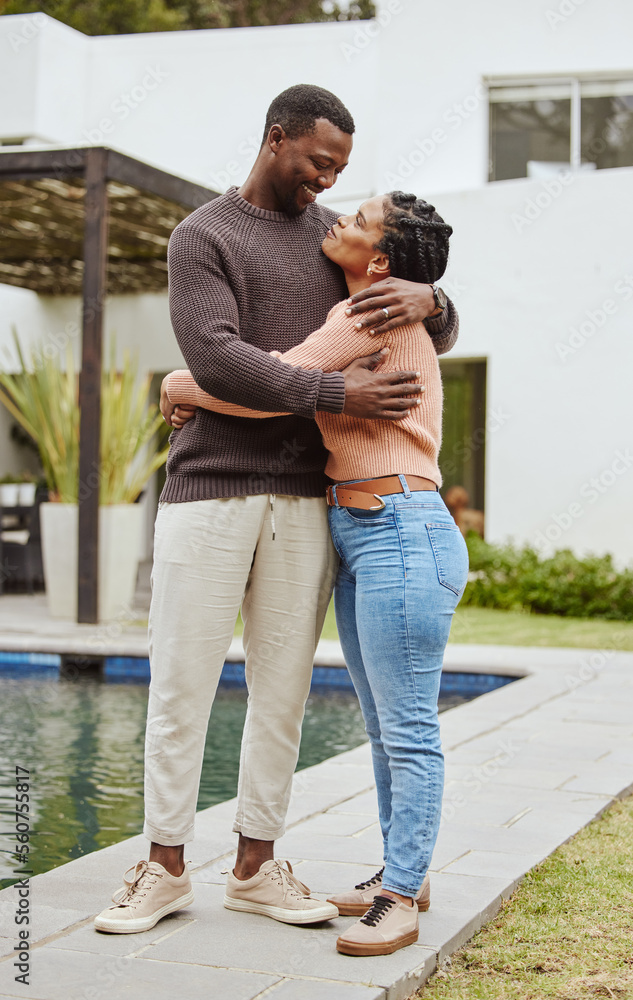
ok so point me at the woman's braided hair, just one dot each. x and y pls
(415, 238)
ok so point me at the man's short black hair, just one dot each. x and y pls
(297, 109)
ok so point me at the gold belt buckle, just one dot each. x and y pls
(381, 503)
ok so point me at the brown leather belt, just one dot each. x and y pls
(364, 493)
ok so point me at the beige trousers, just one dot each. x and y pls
(212, 557)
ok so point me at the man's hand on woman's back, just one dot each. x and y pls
(379, 395)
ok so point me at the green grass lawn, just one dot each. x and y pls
(566, 933)
(513, 628)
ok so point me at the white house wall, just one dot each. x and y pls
(433, 56)
(43, 70)
(201, 97)
(544, 283)
(194, 103)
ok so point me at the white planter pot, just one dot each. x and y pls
(120, 537)
(9, 494)
(26, 494)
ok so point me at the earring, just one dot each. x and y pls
(370, 270)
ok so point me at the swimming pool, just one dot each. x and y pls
(82, 741)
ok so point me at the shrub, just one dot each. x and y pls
(509, 578)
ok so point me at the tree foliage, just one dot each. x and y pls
(122, 17)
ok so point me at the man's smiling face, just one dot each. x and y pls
(307, 165)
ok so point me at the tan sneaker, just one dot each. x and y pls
(147, 896)
(360, 898)
(275, 892)
(387, 926)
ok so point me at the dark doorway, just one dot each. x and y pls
(463, 454)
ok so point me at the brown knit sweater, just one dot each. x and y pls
(358, 449)
(244, 281)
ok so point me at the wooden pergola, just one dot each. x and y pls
(89, 221)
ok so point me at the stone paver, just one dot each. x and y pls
(307, 989)
(48, 920)
(459, 907)
(527, 767)
(247, 940)
(364, 848)
(6, 944)
(85, 939)
(492, 863)
(71, 975)
(365, 804)
(603, 777)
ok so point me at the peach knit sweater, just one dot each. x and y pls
(358, 449)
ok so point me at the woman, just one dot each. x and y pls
(403, 560)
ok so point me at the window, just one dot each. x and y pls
(583, 122)
(463, 454)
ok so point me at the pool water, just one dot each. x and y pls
(82, 742)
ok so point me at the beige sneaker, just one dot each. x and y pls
(387, 926)
(360, 898)
(147, 896)
(275, 892)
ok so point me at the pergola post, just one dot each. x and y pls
(94, 291)
(55, 200)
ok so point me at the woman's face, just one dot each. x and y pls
(351, 242)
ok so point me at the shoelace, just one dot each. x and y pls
(141, 880)
(378, 910)
(289, 882)
(374, 880)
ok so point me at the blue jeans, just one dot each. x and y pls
(403, 570)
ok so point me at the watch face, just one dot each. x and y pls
(440, 297)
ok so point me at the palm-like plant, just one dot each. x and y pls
(43, 398)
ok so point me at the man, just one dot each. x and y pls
(242, 519)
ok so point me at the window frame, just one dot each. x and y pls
(575, 82)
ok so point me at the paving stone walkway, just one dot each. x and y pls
(528, 765)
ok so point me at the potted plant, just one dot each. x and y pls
(43, 397)
(17, 491)
(27, 490)
(9, 491)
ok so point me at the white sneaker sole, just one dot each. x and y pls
(287, 916)
(138, 924)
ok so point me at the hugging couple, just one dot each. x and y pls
(291, 474)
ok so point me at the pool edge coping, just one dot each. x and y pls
(544, 678)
